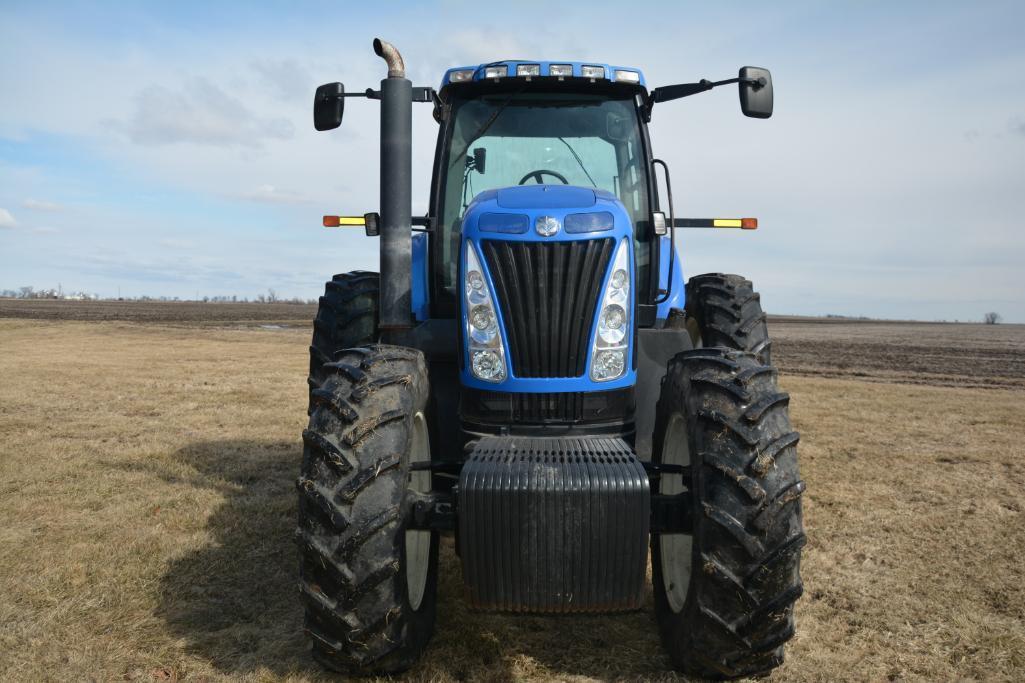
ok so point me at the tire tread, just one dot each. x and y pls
(748, 532)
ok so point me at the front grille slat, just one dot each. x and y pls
(544, 303)
(501, 263)
(547, 293)
(557, 294)
(566, 341)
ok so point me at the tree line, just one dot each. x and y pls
(271, 297)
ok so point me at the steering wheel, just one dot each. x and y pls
(540, 180)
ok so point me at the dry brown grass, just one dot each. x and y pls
(147, 507)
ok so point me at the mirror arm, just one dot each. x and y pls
(675, 92)
(419, 94)
(758, 83)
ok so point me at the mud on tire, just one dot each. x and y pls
(724, 310)
(363, 613)
(724, 598)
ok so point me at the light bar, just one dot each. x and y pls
(494, 71)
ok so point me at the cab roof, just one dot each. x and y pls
(552, 71)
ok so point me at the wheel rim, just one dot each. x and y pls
(418, 542)
(675, 549)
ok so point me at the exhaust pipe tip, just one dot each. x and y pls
(391, 56)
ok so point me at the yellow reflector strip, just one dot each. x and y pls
(726, 223)
(342, 221)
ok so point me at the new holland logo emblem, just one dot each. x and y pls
(547, 226)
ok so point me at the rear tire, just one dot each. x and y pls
(724, 594)
(347, 317)
(724, 310)
(367, 582)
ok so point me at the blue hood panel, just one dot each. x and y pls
(545, 197)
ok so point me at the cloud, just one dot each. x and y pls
(288, 80)
(157, 268)
(1018, 127)
(201, 114)
(7, 220)
(177, 244)
(40, 205)
(481, 45)
(268, 194)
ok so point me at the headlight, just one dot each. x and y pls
(487, 365)
(608, 364)
(487, 355)
(608, 355)
(476, 290)
(612, 325)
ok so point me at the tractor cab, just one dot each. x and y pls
(531, 372)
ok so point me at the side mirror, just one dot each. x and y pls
(756, 92)
(480, 159)
(328, 104)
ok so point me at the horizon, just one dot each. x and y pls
(274, 298)
(186, 158)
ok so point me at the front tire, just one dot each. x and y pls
(724, 594)
(367, 582)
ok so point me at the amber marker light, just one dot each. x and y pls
(344, 221)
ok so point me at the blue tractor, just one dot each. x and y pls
(531, 373)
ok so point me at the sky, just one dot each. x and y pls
(167, 149)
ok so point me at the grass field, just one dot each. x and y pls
(147, 502)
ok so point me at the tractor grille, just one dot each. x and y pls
(592, 407)
(548, 292)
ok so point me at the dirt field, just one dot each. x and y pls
(189, 313)
(940, 354)
(147, 506)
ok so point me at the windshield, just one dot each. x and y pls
(506, 139)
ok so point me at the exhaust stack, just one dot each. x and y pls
(396, 195)
(387, 52)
